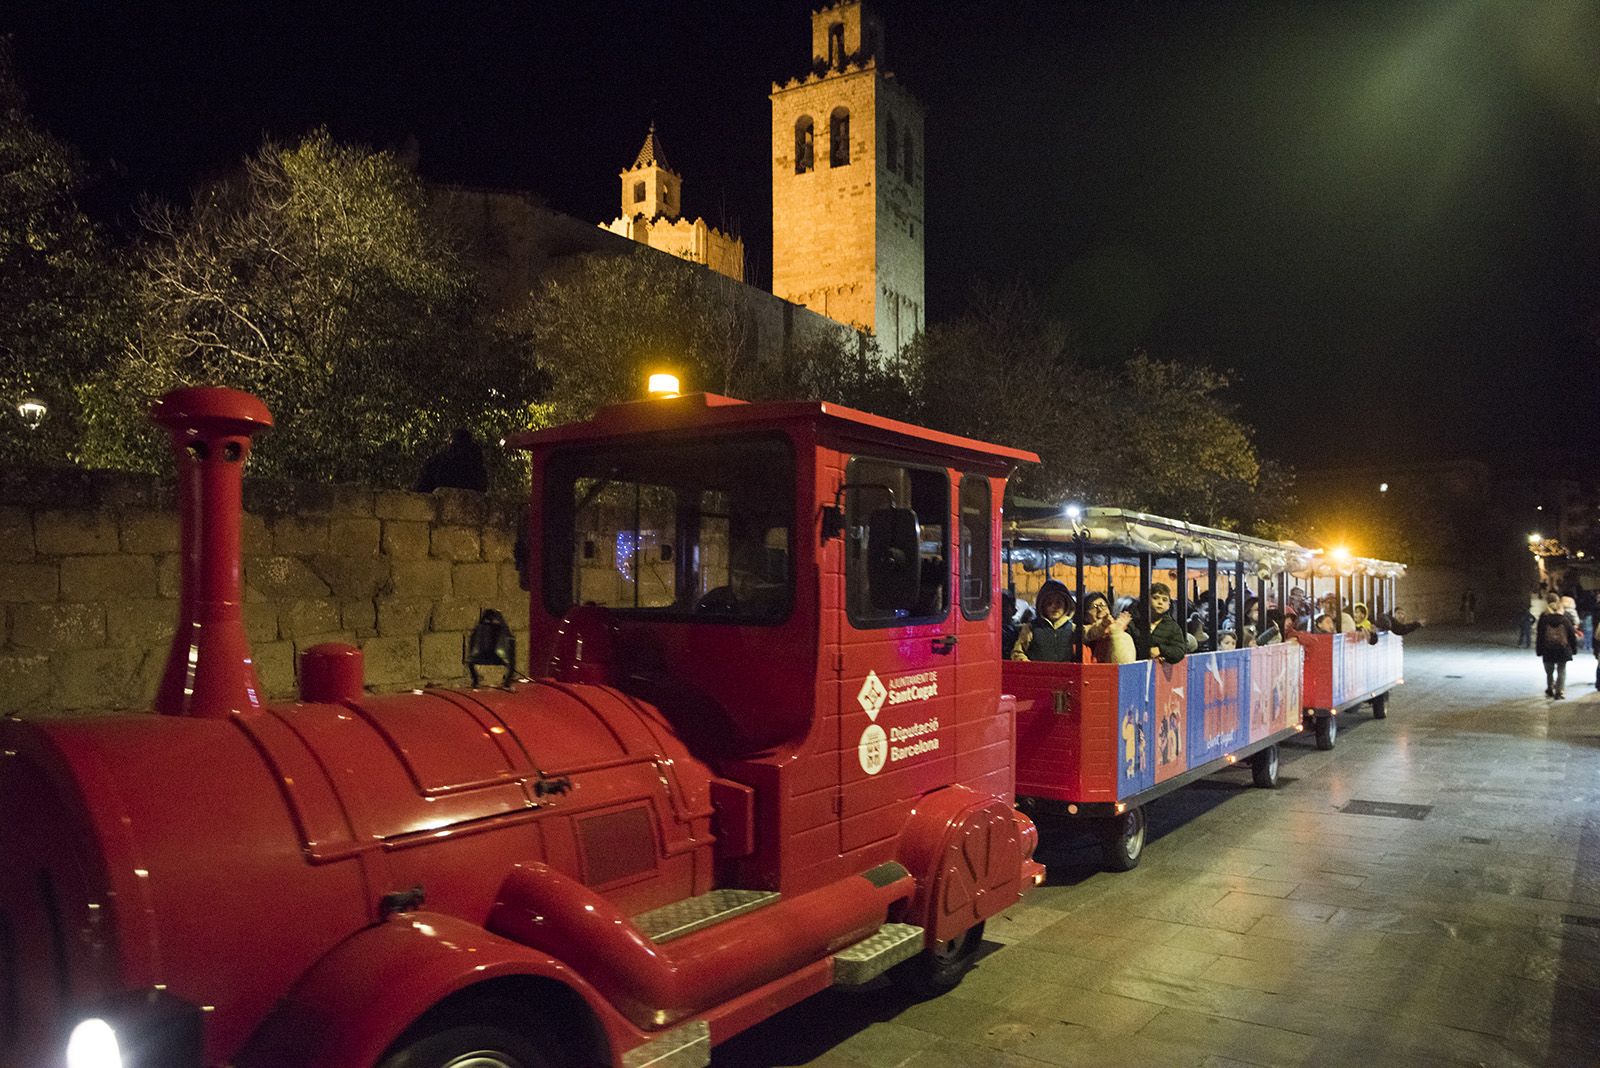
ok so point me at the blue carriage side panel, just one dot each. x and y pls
(1136, 728)
(1219, 688)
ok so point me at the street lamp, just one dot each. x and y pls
(1383, 487)
(32, 411)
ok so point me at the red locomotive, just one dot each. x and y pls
(769, 755)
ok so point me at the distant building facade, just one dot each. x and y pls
(652, 205)
(848, 158)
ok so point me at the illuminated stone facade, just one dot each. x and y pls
(847, 183)
(652, 202)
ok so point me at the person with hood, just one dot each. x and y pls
(1158, 637)
(1555, 641)
(1048, 638)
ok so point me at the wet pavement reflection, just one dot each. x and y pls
(1268, 927)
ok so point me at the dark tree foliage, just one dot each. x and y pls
(1155, 435)
(603, 323)
(62, 311)
(315, 279)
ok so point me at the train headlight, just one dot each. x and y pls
(138, 1029)
(94, 1045)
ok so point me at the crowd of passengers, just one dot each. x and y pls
(1122, 633)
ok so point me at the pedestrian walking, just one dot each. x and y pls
(1530, 616)
(1556, 641)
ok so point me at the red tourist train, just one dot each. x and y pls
(768, 754)
(1099, 741)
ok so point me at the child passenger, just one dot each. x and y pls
(1049, 637)
(1105, 635)
(1158, 638)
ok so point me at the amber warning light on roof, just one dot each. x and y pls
(663, 385)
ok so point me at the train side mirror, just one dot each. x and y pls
(894, 565)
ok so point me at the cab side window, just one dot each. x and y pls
(884, 501)
(975, 546)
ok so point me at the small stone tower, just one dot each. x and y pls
(651, 187)
(847, 169)
(651, 205)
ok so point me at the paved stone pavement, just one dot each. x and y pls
(1268, 928)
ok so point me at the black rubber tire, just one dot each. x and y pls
(1122, 840)
(463, 1036)
(1380, 706)
(938, 969)
(469, 1046)
(1327, 731)
(1264, 768)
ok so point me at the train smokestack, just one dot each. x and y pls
(210, 671)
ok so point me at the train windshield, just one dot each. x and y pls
(679, 530)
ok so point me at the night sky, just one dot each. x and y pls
(1385, 217)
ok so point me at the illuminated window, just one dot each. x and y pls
(839, 138)
(805, 156)
(638, 192)
(893, 141)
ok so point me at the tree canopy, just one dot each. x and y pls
(314, 279)
(61, 291)
(1150, 434)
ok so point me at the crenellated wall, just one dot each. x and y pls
(89, 582)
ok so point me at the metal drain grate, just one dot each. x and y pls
(1387, 808)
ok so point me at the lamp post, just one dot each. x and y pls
(32, 410)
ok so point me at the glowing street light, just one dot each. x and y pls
(32, 411)
(1535, 539)
(1383, 487)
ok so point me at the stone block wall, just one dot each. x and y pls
(89, 583)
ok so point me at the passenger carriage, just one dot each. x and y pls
(1345, 669)
(1102, 740)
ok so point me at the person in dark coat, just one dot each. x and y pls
(1555, 640)
(459, 465)
(1158, 638)
(1048, 639)
(1010, 629)
(1396, 623)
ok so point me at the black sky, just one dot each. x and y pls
(1384, 216)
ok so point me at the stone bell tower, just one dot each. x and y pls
(847, 170)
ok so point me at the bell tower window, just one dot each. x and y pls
(805, 154)
(839, 138)
(836, 45)
(638, 192)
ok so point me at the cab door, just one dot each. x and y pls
(899, 649)
(984, 737)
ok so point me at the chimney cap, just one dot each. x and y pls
(214, 409)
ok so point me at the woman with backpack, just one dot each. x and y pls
(1555, 642)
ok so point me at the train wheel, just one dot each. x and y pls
(939, 968)
(470, 1046)
(1122, 842)
(1264, 767)
(1380, 706)
(461, 1038)
(1327, 731)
